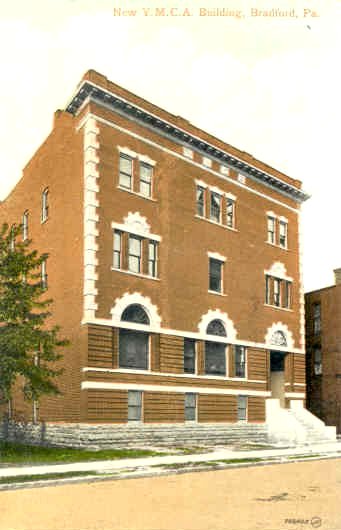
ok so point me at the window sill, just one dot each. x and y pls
(216, 292)
(279, 307)
(215, 223)
(124, 369)
(136, 193)
(276, 246)
(202, 377)
(136, 274)
(216, 376)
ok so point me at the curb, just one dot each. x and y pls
(149, 473)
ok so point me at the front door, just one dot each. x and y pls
(277, 376)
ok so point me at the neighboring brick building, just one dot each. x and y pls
(173, 265)
(323, 334)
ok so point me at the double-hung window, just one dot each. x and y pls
(134, 405)
(135, 253)
(44, 205)
(146, 175)
(25, 226)
(215, 275)
(190, 406)
(215, 352)
(117, 249)
(136, 173)
(189, 356)
(242, 408)
(277, 292)
(268, 281)
(134, 345)
(317, 318)
(271, 230)
(277, 229)
(215, 207)
(317, 361)
(126, 172)
(12, 239)
(240, 361)
(200, 201)
(43, 275)
(215, 358)
(230, 207)
(152, 258)
(286, 302)
(283, 234)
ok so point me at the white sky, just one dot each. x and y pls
(268, 85)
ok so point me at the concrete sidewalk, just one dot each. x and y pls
(322, 450)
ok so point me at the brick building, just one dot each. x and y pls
(323, 335)
(173, 265)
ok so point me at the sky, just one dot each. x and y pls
(264, 76)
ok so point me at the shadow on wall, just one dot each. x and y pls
(23, 432)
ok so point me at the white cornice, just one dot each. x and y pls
(88, 385)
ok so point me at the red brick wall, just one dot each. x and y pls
(181, 294)
(186, 240)
(58, 165)
(324, 391)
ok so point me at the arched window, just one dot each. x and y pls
(278, 339)
(134, 345)
(215, 352)
(135, 313)
(216, 327)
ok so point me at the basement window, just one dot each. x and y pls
(134, 405)
(242, 408)
(190, 407)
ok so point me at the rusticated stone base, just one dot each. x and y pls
(135, 435)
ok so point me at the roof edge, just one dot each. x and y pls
(120, 101)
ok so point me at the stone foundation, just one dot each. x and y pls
(135, 435)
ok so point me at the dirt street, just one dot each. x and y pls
(301, 496)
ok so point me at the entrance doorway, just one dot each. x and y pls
(277, 380)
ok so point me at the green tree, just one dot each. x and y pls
(28, 347)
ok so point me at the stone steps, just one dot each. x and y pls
(314, 433)
(295, 425)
